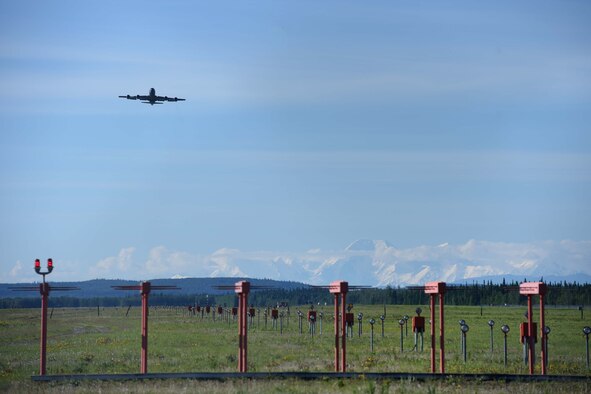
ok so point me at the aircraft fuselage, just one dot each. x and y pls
(152, 98)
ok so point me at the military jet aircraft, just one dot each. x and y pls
(152, 98)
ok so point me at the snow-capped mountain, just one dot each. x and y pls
(378, 263)
(475, 259)
(363, 262)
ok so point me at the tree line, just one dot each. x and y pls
(469, 294)
(559, 293)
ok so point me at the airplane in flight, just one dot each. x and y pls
(152, 98)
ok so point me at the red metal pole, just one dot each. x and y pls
(441, 336)
(44, 290)
(242, 319)
(240, 333)
(343, 332)
(530, 333)
(240, 316)
(244, 328)
(145, 291)
(432, 305)
(242, 323)
(336, 334)
(242, 288)
(244, 331)
(543, 334)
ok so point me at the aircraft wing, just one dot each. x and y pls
(166, 98)
(136, 97)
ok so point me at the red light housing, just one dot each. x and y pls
(49, 263)
(37, 263)
(435, 288)
(532, 288)
(339, 287)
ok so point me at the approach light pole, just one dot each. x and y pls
(371, 323)
(465, 329)
(44, 289)
(505, 329)
(491, 323)
(587, 331)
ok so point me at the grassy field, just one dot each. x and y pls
(81, 342)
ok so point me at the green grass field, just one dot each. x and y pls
(81, 342)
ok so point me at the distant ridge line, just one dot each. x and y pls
(102, 287)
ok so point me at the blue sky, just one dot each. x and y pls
(307, 125)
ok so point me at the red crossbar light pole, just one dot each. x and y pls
(242, 289)
(145, 292)
(530, 289)
(44, 289)
(437, 289)
(340, 288)
(145, 288)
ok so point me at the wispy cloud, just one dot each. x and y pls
(16, 270)
(121, 263)
(368, 167)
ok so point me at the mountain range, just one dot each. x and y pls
(378, 263)
(363, 262)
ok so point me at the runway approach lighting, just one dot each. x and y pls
(44, 289)
(505, 329)
(491, 323)
(587, 331)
